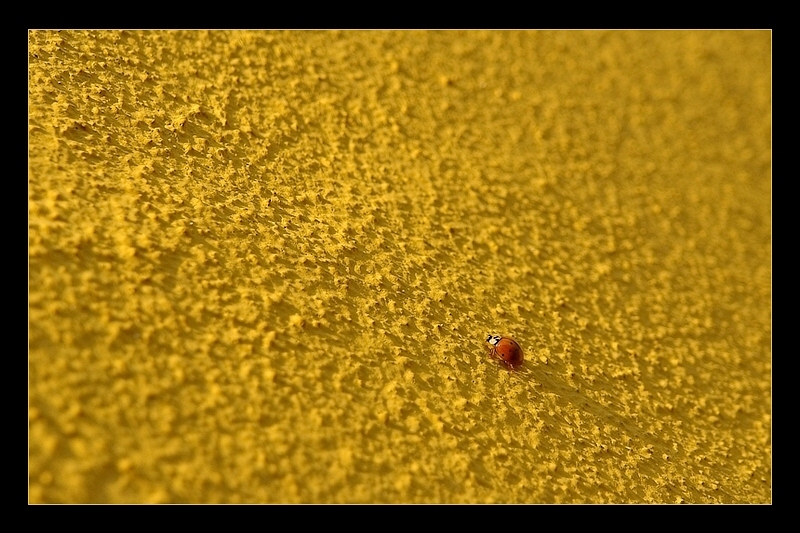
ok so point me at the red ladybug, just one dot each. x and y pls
(506, 350)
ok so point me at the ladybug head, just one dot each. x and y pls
(493, 339)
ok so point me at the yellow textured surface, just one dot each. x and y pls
(263, 264)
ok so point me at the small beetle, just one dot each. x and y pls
(506, 350)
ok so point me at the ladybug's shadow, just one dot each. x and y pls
(521, 369)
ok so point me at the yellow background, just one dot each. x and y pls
(263, 265)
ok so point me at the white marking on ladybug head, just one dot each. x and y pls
(493, 339)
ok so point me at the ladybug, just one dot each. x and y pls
(506, 350)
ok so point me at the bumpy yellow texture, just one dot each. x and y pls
(263, 265)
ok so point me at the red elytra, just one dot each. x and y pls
(506, 350)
